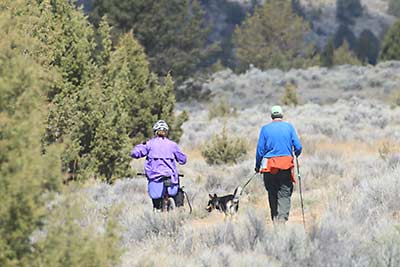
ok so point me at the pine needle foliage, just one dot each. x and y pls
(391, 43)
(173, 32)
(27, 178)
(273, 37)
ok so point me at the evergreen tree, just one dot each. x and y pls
(70, 43)
(27, 178)
(391, 43)
(273, 37)
(343, 55)
(328, 54)
(368, 47)
(347, 10)
(104, 100)
(344, 34)
(171, 31)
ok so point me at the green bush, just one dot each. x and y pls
(222, 108)
(391, 43)
(290, 95)
(394, 98)
(343, 56)
(223, 149)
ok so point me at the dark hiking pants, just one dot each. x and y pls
(280, 188)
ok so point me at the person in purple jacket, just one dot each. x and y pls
(160, 166)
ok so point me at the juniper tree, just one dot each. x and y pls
(343, 55)
(391, 43)
(27, 178)
(172, 32)
(132, 99)
(327, 54)
(344, 34)
(273, 37)
(368, 47)
(346, 10)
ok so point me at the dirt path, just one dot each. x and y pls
(312, 215)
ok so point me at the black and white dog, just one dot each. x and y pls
(228, 204)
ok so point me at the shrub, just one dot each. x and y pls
(394, 98)
(343, 56)
(68, 243)
(221, 109)
(290, 95)
(224, 149)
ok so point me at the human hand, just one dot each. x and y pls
(257, 170)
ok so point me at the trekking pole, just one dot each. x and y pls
(301, 194)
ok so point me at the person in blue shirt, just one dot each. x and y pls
(277, 142)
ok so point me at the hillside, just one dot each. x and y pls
(80, 87)
(351, 153)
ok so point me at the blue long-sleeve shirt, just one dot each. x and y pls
(277, 139)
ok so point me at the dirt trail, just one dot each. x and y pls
(312, 215)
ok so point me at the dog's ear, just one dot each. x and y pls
(211, 197)
(215, 195)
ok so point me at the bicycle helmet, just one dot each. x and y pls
(160, 126)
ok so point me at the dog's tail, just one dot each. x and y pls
(237, 193)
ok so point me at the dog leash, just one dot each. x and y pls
(248, 181)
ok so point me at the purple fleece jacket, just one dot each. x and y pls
(161, 157)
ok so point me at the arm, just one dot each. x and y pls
(260, 149)
(296, 143)
(139, 151)
(179, 156)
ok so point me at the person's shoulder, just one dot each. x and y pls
(169, 141)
